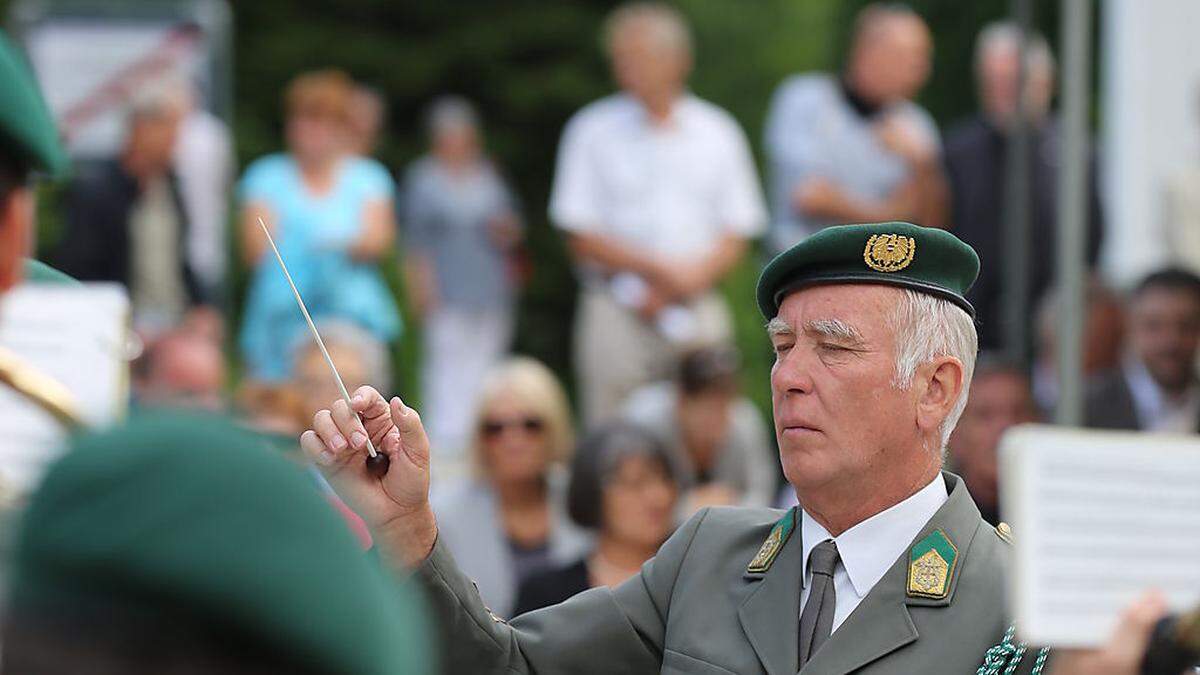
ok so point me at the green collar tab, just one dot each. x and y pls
(931, 566)
(774, 544)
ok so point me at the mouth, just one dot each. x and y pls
(798, 429)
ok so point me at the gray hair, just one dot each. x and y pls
(377, 362)
(668, 24)
(927, 327)
(451, 113)
(1007, 35)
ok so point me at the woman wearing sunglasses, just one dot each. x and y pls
(509, 521)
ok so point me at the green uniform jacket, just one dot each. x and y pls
(694, 608)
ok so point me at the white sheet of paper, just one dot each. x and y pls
(77, 336)
(1098, 518)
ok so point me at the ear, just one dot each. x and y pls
(16, 224)
(938, 383)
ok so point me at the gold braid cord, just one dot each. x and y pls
(44, 391)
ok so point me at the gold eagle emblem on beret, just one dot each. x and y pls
(889, 252)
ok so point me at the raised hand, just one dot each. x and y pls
(396, 505)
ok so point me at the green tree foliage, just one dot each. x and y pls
(528, 65)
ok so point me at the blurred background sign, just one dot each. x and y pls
(92, 58)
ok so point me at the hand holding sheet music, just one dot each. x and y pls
(1098, 519)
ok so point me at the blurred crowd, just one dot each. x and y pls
(658, 197)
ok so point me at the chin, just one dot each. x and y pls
(805, 469)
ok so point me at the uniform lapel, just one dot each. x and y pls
(881, 623)
(770, 615)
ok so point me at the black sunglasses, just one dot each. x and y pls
(531, 425)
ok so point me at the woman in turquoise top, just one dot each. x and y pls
(331, 215)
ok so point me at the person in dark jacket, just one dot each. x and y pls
(1155, 388)
(125, 221)
(975, 156)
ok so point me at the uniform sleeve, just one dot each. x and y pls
(599, 631)
(741, 208)
(575, 199)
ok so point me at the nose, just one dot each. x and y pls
(792, 372)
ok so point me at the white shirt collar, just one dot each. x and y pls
(871, 547)
(681, 110)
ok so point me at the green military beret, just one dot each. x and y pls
(28, 135)
(188, 518)
(897, 254)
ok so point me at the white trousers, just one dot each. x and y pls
(461, 346)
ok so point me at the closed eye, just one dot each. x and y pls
(830, 347)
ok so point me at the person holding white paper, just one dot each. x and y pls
(1123, 653)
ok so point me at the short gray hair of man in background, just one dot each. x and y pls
(667, 23)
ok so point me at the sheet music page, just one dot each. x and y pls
(77, 336)
(1098, 518)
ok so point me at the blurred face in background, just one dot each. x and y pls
(456, 143)
(318, 116)
(365, 121)
(514, 440)
(1164, 333)
(647, 62)
(890, 60)
(315, 137)
(315, 384)
(704, 419)
(185, 370)
(16, 228)
(999, 400)
(639, 502)
(999, 72)
(150, 143)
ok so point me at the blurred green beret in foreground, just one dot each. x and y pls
(28, 135)
(185, 521)
(923, 259)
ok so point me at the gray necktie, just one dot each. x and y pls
(816, 621)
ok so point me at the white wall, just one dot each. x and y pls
(1150, 98)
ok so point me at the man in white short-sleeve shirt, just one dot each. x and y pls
(657, 192)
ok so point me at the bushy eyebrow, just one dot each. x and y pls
(834, 328)
(777, 327)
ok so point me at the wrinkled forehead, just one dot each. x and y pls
(865, 309)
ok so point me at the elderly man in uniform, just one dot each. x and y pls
(886, 567)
